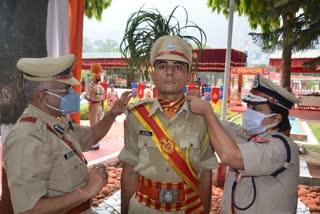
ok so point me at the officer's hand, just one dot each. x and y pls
(120, 104)
(98, 178)
(194, 92)
(198, 106)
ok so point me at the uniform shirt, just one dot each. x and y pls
(188, 130)
(39, 164)
(95, 92)
(112, 96)
(277, 195)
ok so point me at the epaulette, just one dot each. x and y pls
(39, 127)
(139, 102)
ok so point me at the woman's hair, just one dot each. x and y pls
(284, 124)
(30, 88)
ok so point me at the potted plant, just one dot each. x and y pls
(144, 27)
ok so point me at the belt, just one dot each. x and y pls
(80, 208)
(163, 196)
(95, 102)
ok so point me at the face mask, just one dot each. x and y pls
(252, 121)
(69, 103)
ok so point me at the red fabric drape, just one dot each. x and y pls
(76, 13)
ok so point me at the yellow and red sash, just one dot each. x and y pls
(174, 155)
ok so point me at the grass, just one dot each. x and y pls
(238, 120)
(84, 110)
(315, 129)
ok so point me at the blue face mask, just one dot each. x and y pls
(69, 104)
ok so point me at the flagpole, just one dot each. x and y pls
(227, 62)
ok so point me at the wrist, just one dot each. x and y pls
(84, 194)
(113, 114)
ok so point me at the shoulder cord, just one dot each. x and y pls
(234, 186)
(274, 174)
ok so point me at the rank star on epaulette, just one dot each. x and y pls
(258, 139)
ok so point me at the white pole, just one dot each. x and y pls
(227, 62)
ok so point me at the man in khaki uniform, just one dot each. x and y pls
(42, 155)
(263, 162)
(95, 98)
(112, 96)
(167, 157)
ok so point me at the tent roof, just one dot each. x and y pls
(297, 60)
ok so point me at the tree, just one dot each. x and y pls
(253, 10)
(94, 8)
(144, 27)
(87, 46)
(305, 27)
(23, 30)
(106, 46)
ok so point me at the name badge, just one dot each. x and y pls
(59, 129)
(69, 154)
(145, 133)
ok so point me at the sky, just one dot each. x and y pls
(115, 17)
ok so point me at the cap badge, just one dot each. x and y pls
(170, 47)
(255, 83)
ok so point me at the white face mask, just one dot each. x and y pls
(252, 120)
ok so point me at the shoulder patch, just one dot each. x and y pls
(139, 102)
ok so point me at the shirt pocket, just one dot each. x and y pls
(146, 148)
(67, 174)
(190, 144)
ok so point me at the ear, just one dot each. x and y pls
(278, 117)
(42, 95)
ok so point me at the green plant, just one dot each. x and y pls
(144, 27)
(84, 110)
(85, 73)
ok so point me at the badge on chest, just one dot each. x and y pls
(69, 154)
(145, 133)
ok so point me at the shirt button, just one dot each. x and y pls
(191, 145)
(76, 167)
(145, 144)
(167, 169)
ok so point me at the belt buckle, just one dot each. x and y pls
(168, 195)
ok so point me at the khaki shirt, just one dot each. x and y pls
(189, 131)
(39, 164)
(277, 195)
(96, 92)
